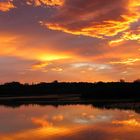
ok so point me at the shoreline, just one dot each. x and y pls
(122, 104)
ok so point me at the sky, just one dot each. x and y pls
(69, 40)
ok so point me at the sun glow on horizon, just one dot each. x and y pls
(50, 37)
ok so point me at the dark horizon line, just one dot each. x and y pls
(56, 81)
(99, 90)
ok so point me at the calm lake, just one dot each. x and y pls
(70, 122)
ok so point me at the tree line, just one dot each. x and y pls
(98, 90)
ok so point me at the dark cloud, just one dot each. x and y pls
(93, 18)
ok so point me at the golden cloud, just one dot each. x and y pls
(13, 45)
(92, 20)
(132, 35)
(45, 2)
(116, 42)
(41, 133)
(46, 66)
(6, 6)
(129, 61)
(107, 28)
(58, 118)
(41, 122)
(40, 65)
(131, 122)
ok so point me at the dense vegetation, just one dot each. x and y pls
(99, 90)
(121, 95)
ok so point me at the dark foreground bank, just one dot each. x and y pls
(120, 95)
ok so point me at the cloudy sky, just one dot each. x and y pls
(69, 40)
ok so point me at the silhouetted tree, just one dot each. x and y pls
(55, 81)
(122, 81)
(137, 81)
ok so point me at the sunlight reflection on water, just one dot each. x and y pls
(71, 122)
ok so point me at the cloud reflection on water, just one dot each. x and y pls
(77, 122)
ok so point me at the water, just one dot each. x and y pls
(70, 122)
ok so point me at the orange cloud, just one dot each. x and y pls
(129, 61)
(69, 66)
(132, 35)
(116, 42)
(129, 35)
(6, 6)
(41, 122)
(41, 133)
(99, 30)
(131, 122)
(40, 65)
(46, 66)
(14, 45)
(45, 2)
(95, 22)
(58, 118)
